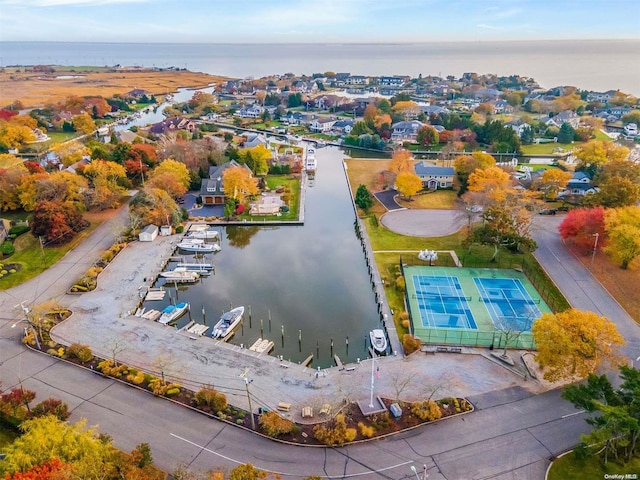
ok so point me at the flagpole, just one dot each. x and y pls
(373, 362)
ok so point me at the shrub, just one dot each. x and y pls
(51, 406)
(210, 398)
(172, 392)
(81, 352)
(274, 425)
(366, 431)
(410, 344)
(7, 248)
(427, 411)
(107, 256)
(180, 229)
(135, 376)
(400, 285)
(18, 230)
(93, 272)
(335, 432)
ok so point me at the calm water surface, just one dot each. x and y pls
(311, 278)
(586, 64)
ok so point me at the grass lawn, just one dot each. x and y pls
(274, 181)
(592, 469)
(366, 172)
(30, 255)
(547, 148)
(59, 137)
(439, 199)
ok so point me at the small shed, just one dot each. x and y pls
(165, 230)
(148, 234)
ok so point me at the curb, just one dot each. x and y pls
(546, 473)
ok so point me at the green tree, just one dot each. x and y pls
(566, 133)
(615, 192)
(363, 197)
(614, 415)
(632, 117)
(427, 135)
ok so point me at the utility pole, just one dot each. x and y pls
(595, 247)
(244, 376)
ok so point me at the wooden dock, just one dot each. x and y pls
(155, 294)
(307, 361)
(197, 329)
(152, 314)
(262, 345)
(338, 362)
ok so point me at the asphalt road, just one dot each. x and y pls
(512, 434)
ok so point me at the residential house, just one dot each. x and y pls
(566, 116)
(487, 93)
(211, 190)
(579, 185)
(137, 94)
(518, 126)
(250, 111)
(343, 126)
(61, 117)
(322, 125)
(255, 139)
(434, 177)
(501, 106)
(433, 110)
(356, 80)
(173, 124)
(394, 81)
(406, 131)
(327, 102)
(603, 97)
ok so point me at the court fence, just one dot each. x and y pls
(492, 339)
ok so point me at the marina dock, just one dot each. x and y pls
(152, 314)
(154, 294)
(262, 345)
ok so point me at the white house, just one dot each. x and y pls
(630, 131)
(322, 125)
(148, 233)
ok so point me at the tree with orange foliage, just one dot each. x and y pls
(84, 123)
(553, 180)
(48, 470)
(401, 161)
(171, 176)
(493, 181)
(407, 108)
(466, 164)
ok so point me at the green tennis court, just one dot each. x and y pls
(471, 306)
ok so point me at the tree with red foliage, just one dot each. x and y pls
(53, 468)
(6, 114)
(51, 406)
(581, 225)
(34, 167)
(56, 221)
(17, 398)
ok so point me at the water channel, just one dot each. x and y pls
(311, 281)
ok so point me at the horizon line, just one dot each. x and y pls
(406, 42)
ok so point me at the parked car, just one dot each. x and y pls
(549, 211)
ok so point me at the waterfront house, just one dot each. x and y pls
(137, 94)
(630, 131)
(251, 111)
(322, 125)
(173, 124)
(406, 131)
(343, 126)
(434, 177)
(211, 190)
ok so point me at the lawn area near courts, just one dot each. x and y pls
(592, 468)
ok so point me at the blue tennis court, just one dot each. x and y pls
(508, 303)
(441, 302)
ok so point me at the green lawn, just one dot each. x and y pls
(567, 467)
(274, 181)
(59, 137)
(547, 148)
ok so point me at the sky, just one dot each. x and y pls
(313, 21)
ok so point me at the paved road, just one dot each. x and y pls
(511, 436)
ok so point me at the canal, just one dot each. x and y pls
(307, 287)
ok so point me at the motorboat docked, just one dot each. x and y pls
(199, 247)
(179, 273)
(311, 165)
(378, 340)
(173, 312)
(201, 268)
(228, 321)
(203, 234)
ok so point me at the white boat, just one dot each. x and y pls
(203, 234)
(193, 240)
(199, 247)
(179, 273)
(378, 340)
(228, 321)
(311, 165)
(196, 267)
(173, 312)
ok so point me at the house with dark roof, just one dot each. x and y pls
(211, 190)
(138, 93)
(434, 177)
(579, 185)
(406, 131)
(172, 125)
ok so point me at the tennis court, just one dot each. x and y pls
(471, 306)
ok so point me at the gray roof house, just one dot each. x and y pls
(580, 185)
(211, 190)
(434, 177)
(407, 130)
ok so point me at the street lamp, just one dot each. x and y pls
(425, 475)
(595, 247)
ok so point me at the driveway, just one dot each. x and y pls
(388, 199)
(424, 223)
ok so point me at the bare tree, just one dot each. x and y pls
(116, 347)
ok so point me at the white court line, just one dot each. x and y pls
(351, 475)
